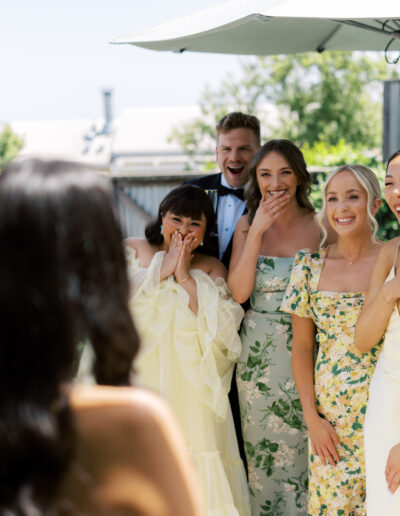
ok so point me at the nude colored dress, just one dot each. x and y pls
(382, 421)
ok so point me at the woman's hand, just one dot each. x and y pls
(182, 268)
(390, 291)
(392, 470)
(324, 440)
(171, 257)
(269, 209)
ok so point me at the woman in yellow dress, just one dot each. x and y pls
(325, 295)
(188, 324)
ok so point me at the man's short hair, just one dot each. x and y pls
(238, 120)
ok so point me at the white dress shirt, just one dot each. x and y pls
(230, 209)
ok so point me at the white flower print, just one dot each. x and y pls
(254, 479)
(281, 329)
(284, 457)
(289, 487)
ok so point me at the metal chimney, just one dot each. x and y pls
(107, 112)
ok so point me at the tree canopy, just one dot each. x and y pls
(333, 100)
(10, 145)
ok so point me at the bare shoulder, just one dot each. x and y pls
(136, 244)
(143, 249)
(310, 221)
(243, 223)
(388, 252)
(210, 265)
(126, 408)
(307, 230)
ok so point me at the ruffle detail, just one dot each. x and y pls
(207, 344)
(217, 323)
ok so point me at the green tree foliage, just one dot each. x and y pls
(325, 97)
(329, 104)
(10, 145)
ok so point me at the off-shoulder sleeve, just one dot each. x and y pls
(297, 297)
(150, 302)
(139, 277)
(206, 345)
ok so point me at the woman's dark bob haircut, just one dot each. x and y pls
(63, 281)
(186, 201)
(295, 158)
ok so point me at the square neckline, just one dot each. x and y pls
(323, 251)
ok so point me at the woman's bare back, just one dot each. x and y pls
(130, 458)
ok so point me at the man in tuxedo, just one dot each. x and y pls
(238, 139)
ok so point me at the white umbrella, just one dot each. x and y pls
(267, 27)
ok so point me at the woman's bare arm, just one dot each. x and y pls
(380, 300)
(242, 268)
(322, 435)
(217, 269)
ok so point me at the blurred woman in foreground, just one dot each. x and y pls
(105, 450)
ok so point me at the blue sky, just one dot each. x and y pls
(55, 58)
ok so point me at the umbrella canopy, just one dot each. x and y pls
(267, 27)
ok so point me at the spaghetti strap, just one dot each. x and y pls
(395, 257)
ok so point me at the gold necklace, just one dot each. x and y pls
(349, 262)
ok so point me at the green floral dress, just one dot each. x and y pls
(342, 377)
(272, 422)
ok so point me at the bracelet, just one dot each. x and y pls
(183, 281)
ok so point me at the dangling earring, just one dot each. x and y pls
(161, 228)
(202, 242)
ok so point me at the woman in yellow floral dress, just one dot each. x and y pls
(326, 294)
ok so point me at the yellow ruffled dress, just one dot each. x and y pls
(189, 360)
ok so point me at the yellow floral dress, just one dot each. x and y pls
(342, 377)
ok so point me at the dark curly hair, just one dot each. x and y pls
(62, 280)
(295, 158)
(185, 200)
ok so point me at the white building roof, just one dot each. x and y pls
(137, 142)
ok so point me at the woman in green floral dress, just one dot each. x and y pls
(326, 293)
(280, 221)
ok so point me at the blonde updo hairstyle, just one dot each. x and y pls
(368, 180)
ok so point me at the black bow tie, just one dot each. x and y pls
(238, 192)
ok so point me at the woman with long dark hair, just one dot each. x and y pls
(107, 449)
(279, 222)
(188, 325)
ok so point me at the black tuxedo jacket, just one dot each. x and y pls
(211, 246)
